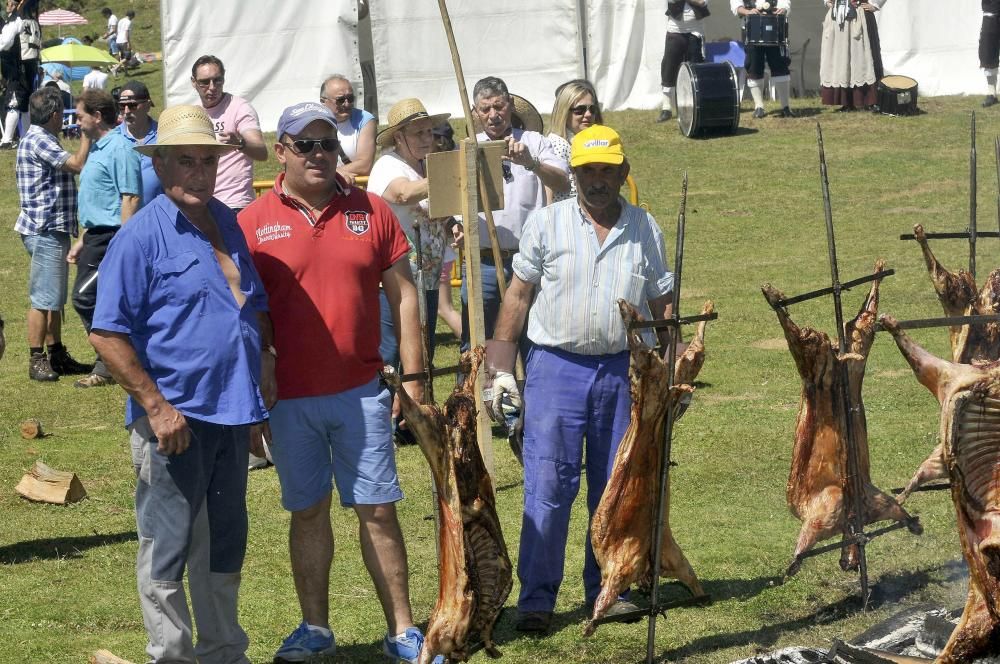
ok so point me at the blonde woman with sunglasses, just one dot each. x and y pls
(575, 109)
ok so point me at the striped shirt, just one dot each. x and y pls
(48, 193)
(578, 282)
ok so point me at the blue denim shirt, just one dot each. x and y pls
(162, 285)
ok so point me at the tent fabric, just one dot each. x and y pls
(532, 46)
(280, 56)
(275, 55)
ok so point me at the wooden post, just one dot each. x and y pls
(468, 149)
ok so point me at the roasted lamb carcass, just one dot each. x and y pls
(476, 574)
(969, 395)
(969, 343)
(818, 491)
(622, 527)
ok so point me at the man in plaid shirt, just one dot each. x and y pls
(47, 220)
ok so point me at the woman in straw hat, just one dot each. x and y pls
(400, 177)
(575, 109)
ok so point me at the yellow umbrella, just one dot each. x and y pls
(78, 54)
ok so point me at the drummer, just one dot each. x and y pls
(776, 57)
(989, 49)
(685, 42)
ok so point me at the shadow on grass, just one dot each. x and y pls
(55, 548)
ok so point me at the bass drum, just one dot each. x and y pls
(707, 99)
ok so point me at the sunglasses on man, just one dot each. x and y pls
(583, 108)
(203, 83)
(131, 103)
(308, 145)
(342, 99)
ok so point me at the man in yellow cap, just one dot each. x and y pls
(576, 259)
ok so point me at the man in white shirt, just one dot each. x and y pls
(112, 31)
(95, 79)
(123, 39)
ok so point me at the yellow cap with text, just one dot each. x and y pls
(596, 144)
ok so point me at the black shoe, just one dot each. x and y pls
(758, 113)
(664, 116)
(989, 101)
(788, 113)
(64, 364)
(533, 622)
(845, 109)
(13, 146)
(40, 369)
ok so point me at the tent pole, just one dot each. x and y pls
(581, 41)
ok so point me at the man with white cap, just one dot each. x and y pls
(322, 247)
(576, 259)
(181, 322)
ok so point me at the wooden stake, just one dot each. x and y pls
(469, 149)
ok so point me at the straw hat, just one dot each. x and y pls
(402, 113)
(524, 115)
(184, 125)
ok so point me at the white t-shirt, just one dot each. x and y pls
(96, 79)
(124, 28)
(112, 27)
(434, 240)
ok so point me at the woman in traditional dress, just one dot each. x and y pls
(850, 61)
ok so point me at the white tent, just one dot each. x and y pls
(280, 54)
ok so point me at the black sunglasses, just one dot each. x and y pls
(307, 145)
(205, 82)
(132, 103)
(339, 100)
(583, 108)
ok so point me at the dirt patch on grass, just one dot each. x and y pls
(776, 343)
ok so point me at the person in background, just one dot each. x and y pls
(355, 127)
(444, 141)
(236, 123)
(776, 58)
(18, 76)
(576, 259)
(685, 42)
(123, 41)
(140, 129)
(400, 178)
(110, 192)
(530, 166)
(111, 32)
(850, 58)
(95, 79)
(989, 49)
(576, 108)
(48, 218)
(181, 322)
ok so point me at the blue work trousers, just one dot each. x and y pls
(568, 398)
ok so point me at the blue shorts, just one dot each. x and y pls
(48, 279)
(344, 437)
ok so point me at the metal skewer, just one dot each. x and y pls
(855, 517)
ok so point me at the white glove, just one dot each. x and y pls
(504, 384)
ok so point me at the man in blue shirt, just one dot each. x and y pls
(139, 128)
(181, 322)
(110, 185)
(576, 259)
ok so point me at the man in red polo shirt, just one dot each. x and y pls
(322, 248)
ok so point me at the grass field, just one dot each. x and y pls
(755, 215)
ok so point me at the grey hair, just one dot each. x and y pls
(491, 86)
(333, 77)
(43, 102)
